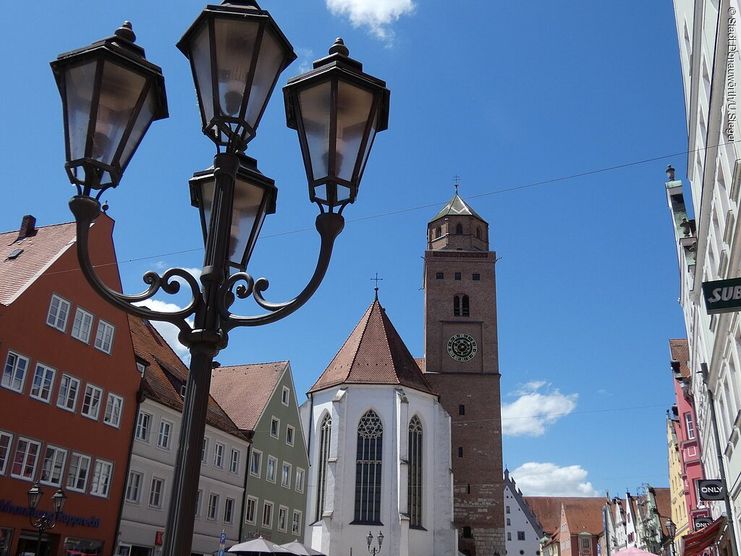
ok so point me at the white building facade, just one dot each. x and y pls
(379, 451)
(708, 246)
(523, 532)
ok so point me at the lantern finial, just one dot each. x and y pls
(339, 47)
(126, 32)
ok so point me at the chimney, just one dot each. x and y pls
(28, 227)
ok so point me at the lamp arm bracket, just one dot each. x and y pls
(86, 210)
(329, 226)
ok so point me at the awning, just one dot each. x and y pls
(696, 542)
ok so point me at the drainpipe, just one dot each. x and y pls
(250, 435)
(719, 453)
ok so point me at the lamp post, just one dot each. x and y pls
(671, 532)
(374, 547)
(111, 94)
(43, 521)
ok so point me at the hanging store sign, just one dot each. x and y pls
(702, 522)
(711, 489)
(722, 296)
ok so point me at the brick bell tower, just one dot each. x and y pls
(462, 363)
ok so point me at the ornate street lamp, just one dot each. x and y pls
(374, 549)
(671, 532)
(43, 521)
(111, 94)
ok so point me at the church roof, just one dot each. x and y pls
(374, 353)
(456, 207)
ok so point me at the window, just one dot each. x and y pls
(324, 437)
(229, 510)
(199, 496)
(275, 427)
(414, 491)
(234, 461)
(509, 535)
(267, 514)
(507, 508)
(104, 336)
(101, 482)
(143, 423)
(58, 311)
(155, 492)
(520, 535)
(509, 522)
(296, 522)
(82, 325)
(43, 378)
(460, 451)
(461, 409)
(467, 533)
(478, 232)
(458, 229)
(461, 306)
(53, 467)
(163, 439)
(133, 486)
(476, 277)
(24, 463)
(285, 395)
(285, 475)
(91, 401)
(439, 275)
(368, 469)
(457, 276)
(250, 512)
(14, 372)
(290, 433)
(255, 463)
(5, 440)
(113, 408)
(690, 425)
(213, 506)
(282, 518)
(79, 466)
(218, 454)
(204, 450)
(68, 388)
(299, 482)
(586, 543)
(271, 469)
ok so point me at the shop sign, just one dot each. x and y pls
(711, 489)
(722, 296)
(8, 507)
(702, 522)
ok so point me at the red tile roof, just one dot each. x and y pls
(166, 373)
(39, 251)
(680, 351)
(582, 513)
(374, 353)
(663, 504)
(245, 390)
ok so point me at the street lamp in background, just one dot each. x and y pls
(110, 96)
(671, 532)
(374, 547)
(43, 521)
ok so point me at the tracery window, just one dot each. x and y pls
(368, 469)
(325, 434)
(461, 306)
(415, 472)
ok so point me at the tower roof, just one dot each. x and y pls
(456, 207)
(374, 353)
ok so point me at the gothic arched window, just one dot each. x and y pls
(461, 306)
(368, 469)
(415, 472)
(478, 232)
(325, 434)
(459, 228)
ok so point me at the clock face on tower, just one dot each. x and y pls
(462, 347)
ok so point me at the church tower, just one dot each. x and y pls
(462, 364)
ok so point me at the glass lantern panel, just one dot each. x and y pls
(235, 43)
(119, 92)
(353, 109)
(316, 108)
(248, 198)
(207, 202)
(368, 145)
(79, 82)
(200, 57)
(269, 65)
(140, 127)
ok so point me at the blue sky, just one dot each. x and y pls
(504, 94)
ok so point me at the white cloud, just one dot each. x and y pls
(377, 15)
(535, 409)
(548, 479)
(168, 331)
(305, 59)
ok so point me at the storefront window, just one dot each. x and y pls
(6, 539)
(82, 547)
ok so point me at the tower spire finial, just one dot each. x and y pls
(456, 182)
(376, 280)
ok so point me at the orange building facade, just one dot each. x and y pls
(68, 391)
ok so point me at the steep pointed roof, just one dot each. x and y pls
(374, 353)
(456, 207)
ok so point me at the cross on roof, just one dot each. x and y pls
(456, 182)
(376, 280)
